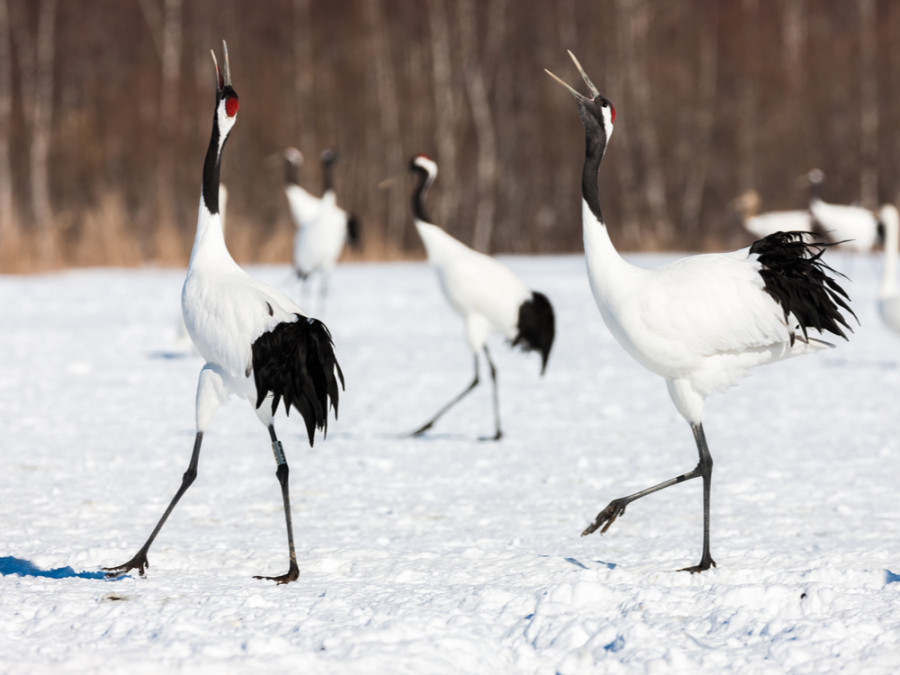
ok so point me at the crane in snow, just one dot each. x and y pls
(704, 321)
(322, 227)
(488, 296)
(257, 343)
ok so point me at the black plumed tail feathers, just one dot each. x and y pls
(296, 362)
(797, 278)
(537, 327)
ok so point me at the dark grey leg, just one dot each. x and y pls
(425, 427)
(282, 473)
(139, 561)
(499, 434)
(703, 470)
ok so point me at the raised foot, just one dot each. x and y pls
(138, 562)
(606, 517)
(292, 575)
(705, 563)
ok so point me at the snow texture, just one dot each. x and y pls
(441, 554)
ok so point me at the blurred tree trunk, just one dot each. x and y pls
(486, 138)
(793, 40)
(701, 143)
(166, 28)
(868, 101)
(10, 236)
(303, 125)
(386, 148)
(36, 66)
(445, 139)
(749, 104)
(635, 16)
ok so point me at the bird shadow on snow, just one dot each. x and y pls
(10, 565)
(890, 577)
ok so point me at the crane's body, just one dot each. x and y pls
(486, 294)
(322, 227)
(256, 342)
(703, 321)
(853, 227)
(763, 224)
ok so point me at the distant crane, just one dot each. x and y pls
(853, 227)
(322, 226)
(485, 293)
(763, 224)
(256, 342)
(888, 297)
(703, 321)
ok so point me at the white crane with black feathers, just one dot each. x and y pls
(322, 227)
(704, 321)
(763, 224)
(855, 228)
(257, 343)
(488, 296)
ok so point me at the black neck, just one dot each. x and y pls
(291, 173)
(594, 149)
(327, 176)
(418, 197)
(211, 167)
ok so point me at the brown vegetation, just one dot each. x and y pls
(105, 110)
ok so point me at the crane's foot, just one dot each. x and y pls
(705, 563)
(495, 437)
(606, 517)
(421, 430)
(138, 562)
(292, 575)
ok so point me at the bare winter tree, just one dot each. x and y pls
(749, 97)
(36, 75)
(701, 142)
(9, 224)
(486, 138)
(444, 110)
(636, 18)
(166, 28)
(388, 144)
(868, 103)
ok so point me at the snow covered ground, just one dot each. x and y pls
(441, 554)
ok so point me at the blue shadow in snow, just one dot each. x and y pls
(890, 577)
(26, 568)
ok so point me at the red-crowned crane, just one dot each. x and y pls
(763, 224)
(322, 226)
(703, 321)
(257, 343)
(853, 227)
(485, 293)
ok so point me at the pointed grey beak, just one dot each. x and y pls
(222, 79)
(594, 91)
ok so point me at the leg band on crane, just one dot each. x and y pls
(278, 451)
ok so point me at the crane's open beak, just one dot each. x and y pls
(224, 79)
(579, 96)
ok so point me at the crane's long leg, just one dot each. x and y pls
(703, 470)
(139, 561)
(425, 427)
(499, 434)
(282, 472)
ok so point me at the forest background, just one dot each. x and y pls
(105, 114)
